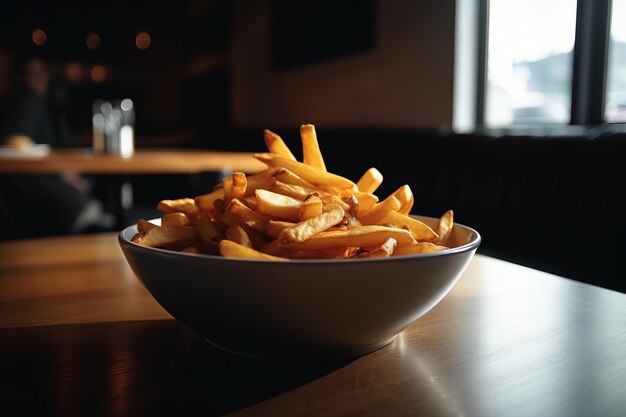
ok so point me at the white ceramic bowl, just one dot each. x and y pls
(299, 309)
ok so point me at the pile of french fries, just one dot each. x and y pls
(295, 210)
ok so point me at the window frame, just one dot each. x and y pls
(588, 81)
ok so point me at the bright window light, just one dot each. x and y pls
(615, 108)
(529, 62)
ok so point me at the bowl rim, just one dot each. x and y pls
(132, 230)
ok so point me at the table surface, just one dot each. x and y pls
(81, 336)
(163, 161)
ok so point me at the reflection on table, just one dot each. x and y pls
(84, 337)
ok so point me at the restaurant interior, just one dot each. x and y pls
(213, 74)
(511, 113)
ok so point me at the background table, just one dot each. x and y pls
(117, 168)
(168, 161)
(80, 336)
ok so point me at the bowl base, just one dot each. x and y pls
(305, 357)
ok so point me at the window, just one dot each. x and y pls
(615, 108)
(551, 65)
(529, 61)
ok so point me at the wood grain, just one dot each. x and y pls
(82, 279)
(80, 336)
(173, 161)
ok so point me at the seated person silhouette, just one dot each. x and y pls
(41, 205)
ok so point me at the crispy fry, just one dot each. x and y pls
(297, 210)
(418, 248)
(262, 179)
(444, 227)
(278, 205)
(405, 196)
(238, 235)
(291, 190)
(228, 189)
(145, 225)
(354, 205)
(177, 219)
(276, 145)
(207, 229)
(274, 227)
(231, 249)
(310, 227)
(288, 177)
(357, 237)
(311, 207)
(311, 148)
(366, 201)
(331, 253)
(247, 215)
(166, 235)
(379, 211)
(205, 202)
(251, 202)
(311, 174)
(383, 251)
(239, 184)
(182, 205)
(419, 230)
(329, 200)
(370, 181)
(191, 249)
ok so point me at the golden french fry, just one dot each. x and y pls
(207, 229)
(182, 205)
(311, 207)
(331, 253)
(311, 148)
(205, 202)
(379, 211)
(228, 189)
(366, 201)
(291, 190)
(310, 227)
(285, 176)
(309, 173)
(262, 179)
(274, 227)
(383, 251)
(191, 249)
(278, 205)
(419, 230)
(444, 227)
(309, 212)
(356, 237)
(328, 200)
(239, 184)
(418, 248)
(405, 196)
(145, 225)
(166, 235)
(247, 215)
(276, 145)
(370, 181)
(231, 249)
(354, 205)
(177, 219)
(238, 235)
(251, 202)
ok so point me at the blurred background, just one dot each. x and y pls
(510, 112)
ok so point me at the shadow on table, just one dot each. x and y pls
(136, 368)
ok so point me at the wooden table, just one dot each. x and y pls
(80, 336)
(117, 168)
(168, 161)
